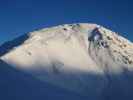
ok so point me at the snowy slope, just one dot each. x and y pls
(87, 59)
(18, 85)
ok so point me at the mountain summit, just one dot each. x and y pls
(86, 59)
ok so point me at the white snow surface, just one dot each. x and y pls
(83, 58)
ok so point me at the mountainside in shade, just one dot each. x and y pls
(84, 61)
(18, 85)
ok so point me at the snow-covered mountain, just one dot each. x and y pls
(86, 59)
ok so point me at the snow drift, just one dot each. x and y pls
(86, 59)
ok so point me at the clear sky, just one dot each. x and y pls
(21, 16)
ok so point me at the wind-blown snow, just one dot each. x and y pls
(84, 58)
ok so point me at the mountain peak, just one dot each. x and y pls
(83, 58)
(92, 38)
(86, 34)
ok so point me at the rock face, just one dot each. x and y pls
(86, 59)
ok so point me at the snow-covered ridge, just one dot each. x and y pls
(84, 32)
(70, 55)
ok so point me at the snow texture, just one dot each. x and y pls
(86, 59)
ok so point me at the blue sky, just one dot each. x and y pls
(21, 16)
